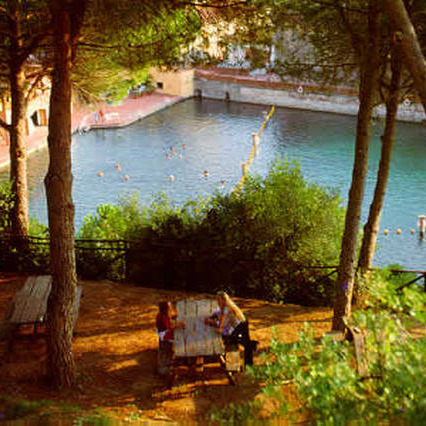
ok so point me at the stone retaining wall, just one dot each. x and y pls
(303, 97)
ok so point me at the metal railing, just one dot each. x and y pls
(102, 257)
(420, 274)
(31, 254)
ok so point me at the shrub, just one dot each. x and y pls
(278, 227)
(17, 254)
(323, 374)
(7, 201)
(260, 241)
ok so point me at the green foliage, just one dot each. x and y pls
(16, 409)
(235, 414)
(259, 241)
(123, 40)
(7, 200)
(38, 229)
(93, 420)
(48, 412)
(120, 221)
(97, 254)
(278, 226)
(24, 255)
(324, 375)
(104, 78)
(20, 255)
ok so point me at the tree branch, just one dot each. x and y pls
(6, 13)
(356, 40)
(46, 71)
(101, 46)
(337, 65)
(33, 45)
(5, 126)
(34, 84)
(216, 5)
(333, 5)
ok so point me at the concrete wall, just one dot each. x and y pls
(179, 82)
(296, 98)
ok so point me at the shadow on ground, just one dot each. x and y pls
(115, 348)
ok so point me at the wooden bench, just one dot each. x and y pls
(356, 335)
(29, 306)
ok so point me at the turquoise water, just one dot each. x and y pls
(217, 136)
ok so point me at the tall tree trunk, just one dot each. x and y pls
(58, 181)
(17, 149)
(368, 89)
(371, 228)
(405, 35)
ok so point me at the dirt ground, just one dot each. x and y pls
(115, 348)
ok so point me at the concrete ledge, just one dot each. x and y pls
(299, 98)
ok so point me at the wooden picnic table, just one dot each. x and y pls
(29, 306)
(197, 339)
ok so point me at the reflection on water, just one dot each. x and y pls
(170, 151)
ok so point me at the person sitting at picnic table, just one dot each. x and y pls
(166, 323)
(232, 323)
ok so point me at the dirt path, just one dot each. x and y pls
(115, 350)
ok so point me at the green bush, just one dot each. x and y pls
(323, 372)
(17, 409)
(17, 254)
(7, 201)
(259, 241)
(283, 225)
(114, 222)
(97, 255)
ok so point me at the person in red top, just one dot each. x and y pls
(163, 322)
(166, 323)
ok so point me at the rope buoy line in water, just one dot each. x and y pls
(421, 224)
(256, 138)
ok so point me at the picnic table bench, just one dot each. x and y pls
(197, 340)
(353, 333)
(29, 306)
